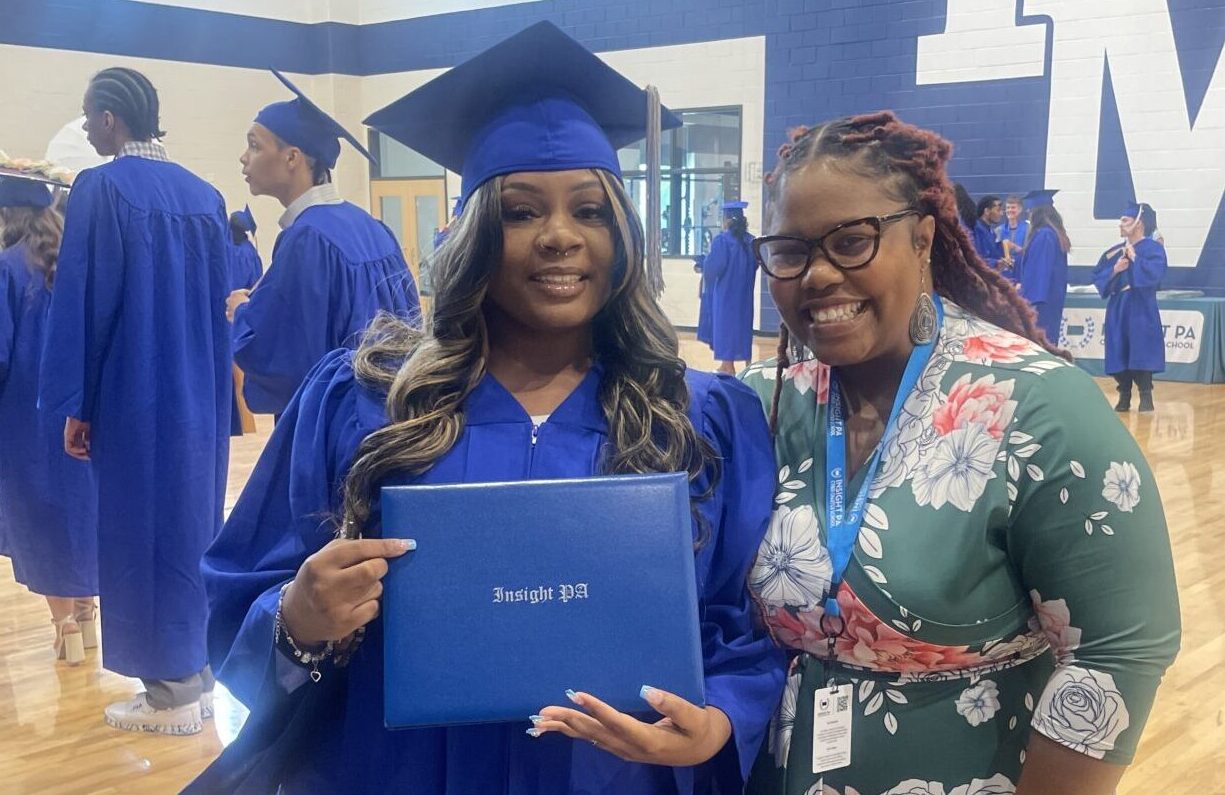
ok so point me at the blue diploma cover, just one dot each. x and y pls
(518, 591)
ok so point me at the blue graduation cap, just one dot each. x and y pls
(22, 189)
(244, 220)
(734, 208)
(1133, 209)
(1040, 198)
(538, 101)
(301, 123)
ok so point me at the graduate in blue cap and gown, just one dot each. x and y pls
(48, 505)
(1043, 271)
(334, 267)
(545, 350)
(730, 273)
(245, 269)
(137, 356)
(1128, 276)
(247, 266)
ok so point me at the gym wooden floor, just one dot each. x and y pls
(53, 740)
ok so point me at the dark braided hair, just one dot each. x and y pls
(910, 163)
(130, 96)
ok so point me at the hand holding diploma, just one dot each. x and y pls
(687, 735)
(337, 589)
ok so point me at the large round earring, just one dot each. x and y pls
(923, 318)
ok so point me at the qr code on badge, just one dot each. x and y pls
(843, 704)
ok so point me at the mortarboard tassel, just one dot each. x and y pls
(654, 235)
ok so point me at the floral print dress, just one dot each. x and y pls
(1012, 572)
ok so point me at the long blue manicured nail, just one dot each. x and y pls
(535, 719)
(533, 732)
(570, 694)
(649, 694)
(410, 544)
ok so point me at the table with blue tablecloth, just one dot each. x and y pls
(1194, 336)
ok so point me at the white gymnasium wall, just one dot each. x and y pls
(207, 110)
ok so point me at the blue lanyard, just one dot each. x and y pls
(843, 526)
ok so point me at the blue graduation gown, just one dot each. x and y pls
(986, 243)
(245, 270)
(277, 524)
(138, 345)
(705, 303)
(332, 271)
(48, 505)
(1017, 236)
(1134, 337)
(1043, 275)
(246, 267)
(730, 272)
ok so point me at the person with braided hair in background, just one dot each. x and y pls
(137, 356)
(968, 559)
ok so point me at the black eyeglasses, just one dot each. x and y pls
(847, 246)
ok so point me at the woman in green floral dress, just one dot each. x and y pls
(1008, 607)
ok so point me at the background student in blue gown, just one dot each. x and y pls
(730, 273)
(1128, 276)
(245, 270)
(1043, 271)
(334, 267)
(48, 507)
(247, 266)
(546, 357)
(986, 243)
(1012, 233)
(137, 356)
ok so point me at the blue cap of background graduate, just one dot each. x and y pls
(19, 189)
(1040, 198)
(538, 101)
(299, 122)
(734, 209)
(1133, 208)
(245, 220)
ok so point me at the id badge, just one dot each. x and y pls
(831, 728)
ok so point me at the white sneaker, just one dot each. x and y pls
(206, 706)
(137, 716)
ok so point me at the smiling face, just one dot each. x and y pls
(558, 251)
(849, 317)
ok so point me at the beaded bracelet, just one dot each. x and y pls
(282, 638)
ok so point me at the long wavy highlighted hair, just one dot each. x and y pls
(428, 373)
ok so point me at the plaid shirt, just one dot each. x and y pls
(149, 150)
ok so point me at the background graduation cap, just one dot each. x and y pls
(538, 101)
(734, 208)
(301, 123)
(24, 189)
(1040, 198)
(245, 220)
